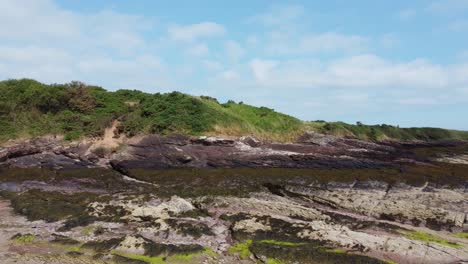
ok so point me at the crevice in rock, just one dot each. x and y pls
(387, 190)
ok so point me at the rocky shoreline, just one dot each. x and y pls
(170, 199)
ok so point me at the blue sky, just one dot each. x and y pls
(397, 62)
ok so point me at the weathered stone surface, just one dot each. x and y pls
(157, 152)
(330, 195)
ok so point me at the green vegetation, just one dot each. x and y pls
(87, 230)
(49, 206)
(421, 236)
(69, 248)
(273, 261)
(312, 252)
(337, 250)
(242, 181)
(63, 243)
(187, 257)
(462, 235)
(143, 258)
(384, 132)
(27, 238)
(242, 249)
(29, 109)
(176, 258)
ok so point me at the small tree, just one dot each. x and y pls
(80, 97)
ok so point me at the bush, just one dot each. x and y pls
(80, 97)
(72, 135)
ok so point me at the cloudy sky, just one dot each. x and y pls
(397, 62)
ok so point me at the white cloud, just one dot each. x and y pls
(332, 41)
(458, 25)
(353, 87)
(370, 70)
(352, 98)
(418, 101)
(288, 34)
(234, 50)
(46, 64)
(42, 22)
(315, 43)
(279, 15)
(252, 40)
(463, 55)
(261, 68)
(33, 56)
(144, 72)
(195, 31)
(361, 72)
(448, 6)
(112, 66)
(118, 31)
(212, 65)
(464, 91)
(460, 74)
(43, 41)
(229, 75)
(406, 14)
(37, 18)
(389, 40)
(198, 50)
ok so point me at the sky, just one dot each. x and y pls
(396, 62)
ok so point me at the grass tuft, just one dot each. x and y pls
(462, 235)
(421, 236)
(27, 238)
(273, 261)
(242, 249)
(337, 250)
(181, 257)
(149, 260)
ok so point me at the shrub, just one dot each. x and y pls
(72, 135)
(80, 97)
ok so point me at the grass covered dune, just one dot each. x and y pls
(29, 108)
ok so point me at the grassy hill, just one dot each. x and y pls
(385, 132)
(29, 108)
